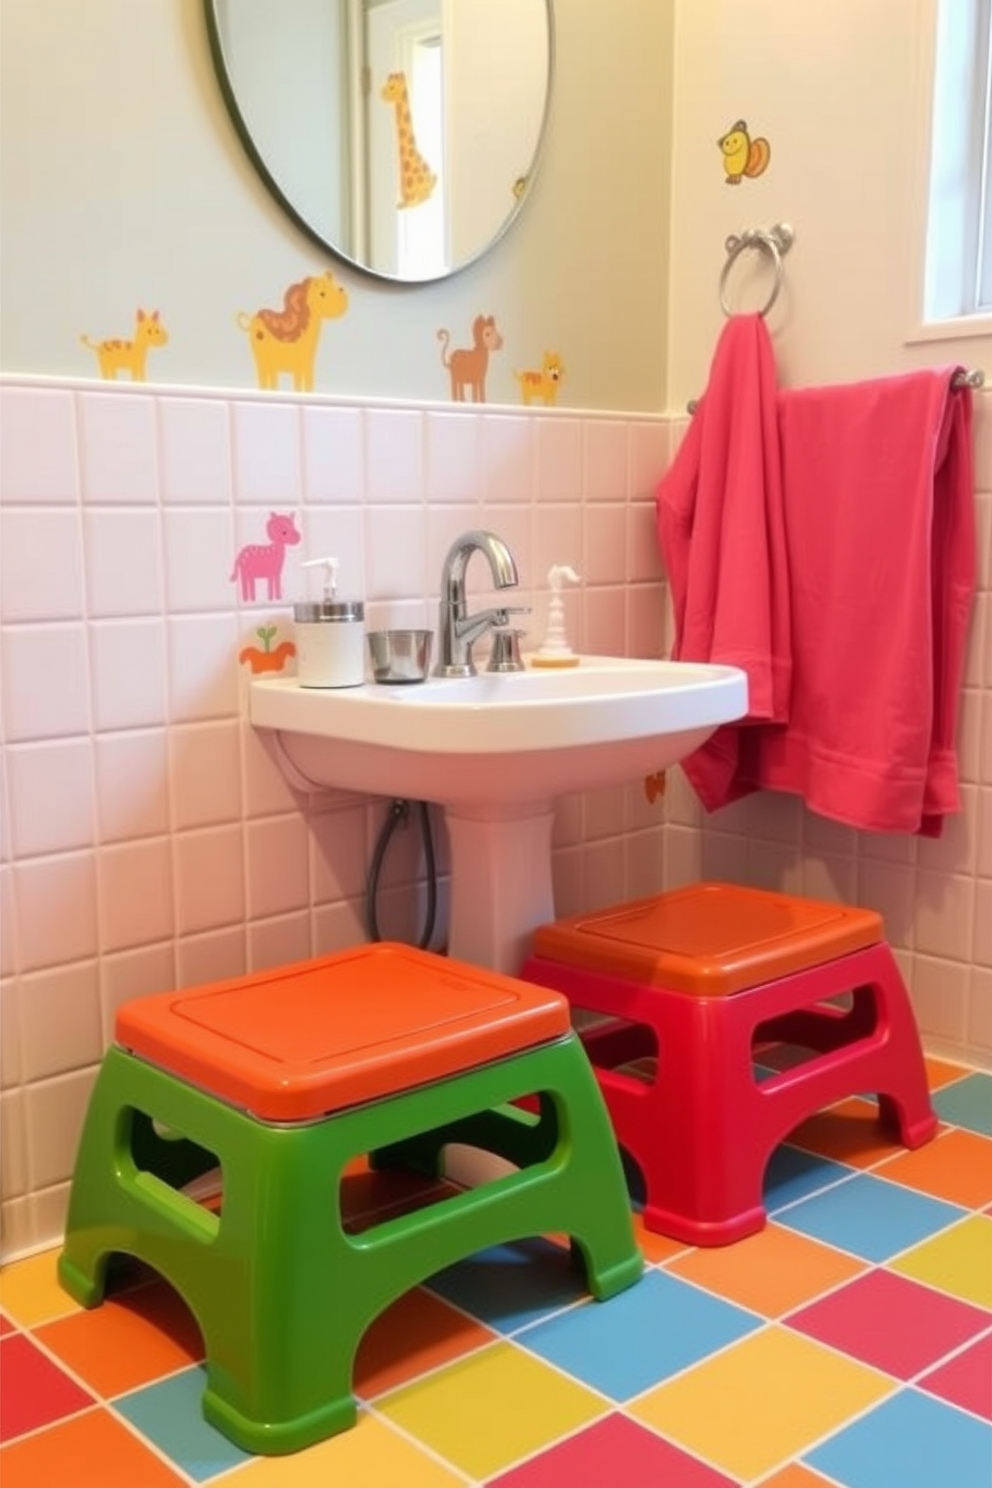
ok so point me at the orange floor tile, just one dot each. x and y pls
(847, 1345)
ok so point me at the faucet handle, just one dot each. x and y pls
(505, 653)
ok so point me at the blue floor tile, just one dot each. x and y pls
(170, 1415)
(909, 1441)
(792, 1174)
(509, 1286)
(869, 1217)
(641, 1337)
(967, 1102)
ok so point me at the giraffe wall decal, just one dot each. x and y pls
(417, 180)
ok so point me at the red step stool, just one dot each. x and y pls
(687, 986)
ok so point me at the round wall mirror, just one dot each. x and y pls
(403, 135)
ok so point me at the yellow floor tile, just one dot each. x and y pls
(490, 1409)
(372, 1455)
(771, 1272)
(958, 1260)
(762, 1402)
(30, 1292)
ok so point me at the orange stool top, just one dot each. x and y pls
(297, 1041)
(709, 939)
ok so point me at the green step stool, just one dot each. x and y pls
(282, 1079)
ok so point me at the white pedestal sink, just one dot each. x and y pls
(494, 751)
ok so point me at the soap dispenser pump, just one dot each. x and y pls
(554, 650)
(330, 635)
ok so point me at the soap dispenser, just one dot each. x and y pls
(554, 650)
(330, 635)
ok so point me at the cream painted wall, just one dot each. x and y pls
(841, 92)
(124, 184)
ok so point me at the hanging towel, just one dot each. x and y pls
(880, 521)
(722, 535)
(879, 508)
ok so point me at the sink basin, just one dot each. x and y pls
(494, 751)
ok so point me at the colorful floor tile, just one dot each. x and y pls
(847, 1345)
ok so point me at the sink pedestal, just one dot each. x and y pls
(500, 880)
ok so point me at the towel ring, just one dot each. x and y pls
(775, 242)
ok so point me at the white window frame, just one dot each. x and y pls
(956, 248)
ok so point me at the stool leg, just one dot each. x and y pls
(571, 1176)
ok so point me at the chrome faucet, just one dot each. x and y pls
(457, 629)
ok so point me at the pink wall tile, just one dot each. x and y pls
(557, 538)
(333, 532)
(333, 455)
(395, 557)
(210, 879)
(40, 452)
(123, 562)
(604, 460)
(128, 665)
(132, 784)
(604, 558)
(214, 956)
(136, 906)
(651, 443)
(41, 564)
(452, 456)
(338, 853)
(136, 973)
(10, 1016)
(13, 1146)
(643, 555)
(56, 907)
(53, 1112)
(205, 773)
(203, 681)
(118, 453)
(508, 458)
(44, 682)
(198, 546)
(60, 1020)
(266, 454)
(394, 456)
(276, 865)
(194, 451)
(278, 942)
(52, 796)
(559, 459)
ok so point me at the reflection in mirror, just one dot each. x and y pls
(401, 134)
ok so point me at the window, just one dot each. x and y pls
(958, 279)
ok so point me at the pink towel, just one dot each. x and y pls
(880, 516)
(722, 534)
(880, 522)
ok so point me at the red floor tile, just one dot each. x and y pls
(890, 1322)
(965, 1380)
(6, 1326)
(615, 1450)
(35, 1391)
(91, 1451)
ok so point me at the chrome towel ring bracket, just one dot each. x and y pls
(776, 242)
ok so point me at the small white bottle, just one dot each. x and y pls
(554, 650)
(330, 635)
